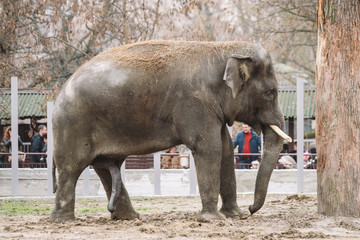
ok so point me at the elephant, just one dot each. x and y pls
(149, 96)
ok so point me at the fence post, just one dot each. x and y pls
(14, 136)
(157, 158)
(193, 180)
(300, 133)
(50, 147)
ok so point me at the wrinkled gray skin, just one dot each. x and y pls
(150, 96)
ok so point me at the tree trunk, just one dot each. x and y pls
(338, 107)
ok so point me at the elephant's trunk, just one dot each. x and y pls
(115, 186)
(272, 146)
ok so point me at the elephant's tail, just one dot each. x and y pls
(55, 186)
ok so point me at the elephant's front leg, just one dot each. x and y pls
(228, 180)
(208, 175)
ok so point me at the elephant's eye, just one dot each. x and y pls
(269, 93)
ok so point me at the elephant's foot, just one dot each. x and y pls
(62, 216)
(209, 216)
(235, 212)
(125, 215)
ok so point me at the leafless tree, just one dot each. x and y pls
(44, 41)
(287, 28)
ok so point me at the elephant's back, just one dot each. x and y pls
(160, 55)
(136, 65)
(144, 68)
(149, 55)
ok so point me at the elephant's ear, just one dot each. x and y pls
(237, 72)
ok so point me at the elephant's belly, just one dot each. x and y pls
(135, 145)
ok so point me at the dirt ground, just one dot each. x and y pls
(282, 217)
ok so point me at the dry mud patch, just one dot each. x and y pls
(282, 217)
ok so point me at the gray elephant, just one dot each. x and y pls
(149, 96)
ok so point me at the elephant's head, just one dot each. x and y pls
(254, 91)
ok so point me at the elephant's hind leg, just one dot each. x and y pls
(124, 209)
(65, 196)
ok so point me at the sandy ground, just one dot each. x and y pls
(282, 217)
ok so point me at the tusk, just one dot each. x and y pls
(281, 133)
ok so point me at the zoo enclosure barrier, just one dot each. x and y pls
(157, 171)
(310, 164)
(24, 160)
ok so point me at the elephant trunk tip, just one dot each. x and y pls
(111, 207)
(112, 203)
(253, 209)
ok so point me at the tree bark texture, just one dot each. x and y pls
(338, 107)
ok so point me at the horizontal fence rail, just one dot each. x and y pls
(24, 160)
(310, 164)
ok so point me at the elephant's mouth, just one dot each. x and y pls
(280, 133)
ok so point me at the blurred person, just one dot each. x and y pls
(306, 157)
(313, 158)
(255, 164)
(312, 150)
(287, 162)
(7, 144)
(285, 148)
(294, 151)
(172, 161)
(38, 144)
(307, 160)
(43, 157)
(248, 142)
